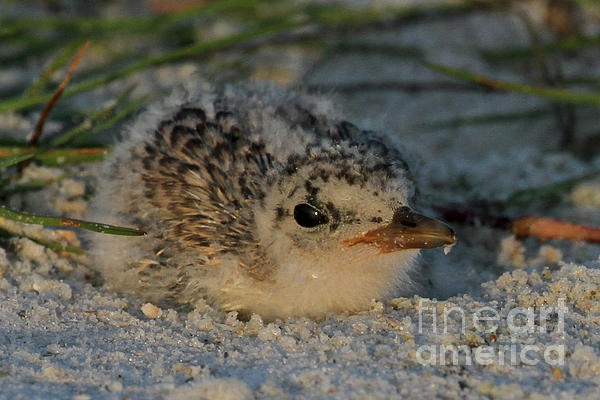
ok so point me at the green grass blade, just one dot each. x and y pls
(332, 14)
(528, 195)
(129, 109)
(10, 161)
(558, 95)
(30, 186)
(59, 247)
(485, 119)
(55, 157)
(570, 44)
(7, 233)
(68, 222)
(59, 61)
(88, 123)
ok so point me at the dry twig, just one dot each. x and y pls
(547, 229)
(526, 226)
(39, 126)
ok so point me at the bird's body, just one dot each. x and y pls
(259, 199)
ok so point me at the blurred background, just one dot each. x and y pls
(495, 101)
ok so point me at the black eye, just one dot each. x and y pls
(308, 216)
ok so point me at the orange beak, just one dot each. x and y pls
(408, 230)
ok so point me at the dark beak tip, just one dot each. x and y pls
(452, 237)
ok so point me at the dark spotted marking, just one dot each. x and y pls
(377, 220)
(293, 192)
(147, 163)
(348, 130)
(377, 147)
(200, 129)
(310, 149)
(199, 218)
(292, 164)
(380, 167)
(334, 213)
(185, 167)
(210, 125)
(191, 145)
(163, 126)
(280, 213)
(192, 113)
(225, 121)
(157, 140)
(246, 192)
(150, 192)
(149, 150)
(404, 216)
(350, 218)
(167, 161)
(223, 115)
(310, 189)
(324, 175)
(178, 132)
(257, 147)
(235, 134)
(351, 179)
(306, 120)
(198, 240)
(221, 151)
(260, 195)
(189, 203)
(167, 166)
(257, 154)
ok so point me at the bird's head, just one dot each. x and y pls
(333, 229)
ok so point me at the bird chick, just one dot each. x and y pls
(259, 199)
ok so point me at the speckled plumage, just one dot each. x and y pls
(213, 177)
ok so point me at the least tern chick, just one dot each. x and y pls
(259, 199)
